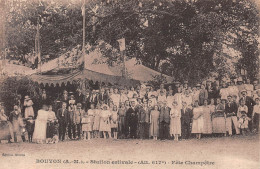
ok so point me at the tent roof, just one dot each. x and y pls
(139, 72)
(79, 75)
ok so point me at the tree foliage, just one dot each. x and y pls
(185, 39)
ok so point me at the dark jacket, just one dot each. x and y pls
(231, 109)
(186, 116)
(165, 114)
(63, 119)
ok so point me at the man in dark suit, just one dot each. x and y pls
(250, 104)
(164, 121)
(132, 121)
(62, 116)
(102, 97)
(231, 115)
(79, 97)
(186, 117)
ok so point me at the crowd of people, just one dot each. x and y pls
(174, 112)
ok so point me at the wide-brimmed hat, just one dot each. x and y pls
(243, 91)
(198, 85)
(27, 98)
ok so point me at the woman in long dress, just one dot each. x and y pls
(39, 135)
(154, 120)
(28, 107)
(198, 123)
(207, 128)
(178, 98)
(218, 118)
(97, 121)
(175, 123)
(105, 122)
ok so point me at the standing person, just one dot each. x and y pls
(146, 110)
(207, 127)
(233, 90)
(114, 122)
(175, 125)
(203, 95)
(79, 97)
(178, 97)
(102, 97)
(243, 118)
(132, 120)
(51, 122)
(162, 96)
(249, 102)
(256, 115)
(77, 117)
(224, 91)
(122, 120)
(186, 119)
(71, 125)
(39, 135)
(97, 121)
(88, 120)
(28, 107)
(164, 121)
(216, 90)
(85, 125)
(187, 98)
(231, 115)
(63, 119)
(198, 123)
(218, 118)
(105, 122)
(141, 122)
(170, 98)
(115, 97)
(154, 122)
(15, 119)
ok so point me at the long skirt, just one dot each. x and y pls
(219, 125)
(104, 125)
(175, 126)
(207, 127)
(197, 125)
(40, 130)
(141, 129)
(96, 123)
(154, 129)
(50, 130)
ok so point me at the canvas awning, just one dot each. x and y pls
(80, 75)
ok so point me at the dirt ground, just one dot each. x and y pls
(236, 152)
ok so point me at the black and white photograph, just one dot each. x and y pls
(129, 84)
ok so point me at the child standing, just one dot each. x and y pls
(114, 121)
(154, 120)
(105, 122)
(198, 123)
(96, 121)
(242, 116)
(89, 121)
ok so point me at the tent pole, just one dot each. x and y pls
(84, 31)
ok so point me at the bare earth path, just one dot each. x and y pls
(235, 152)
